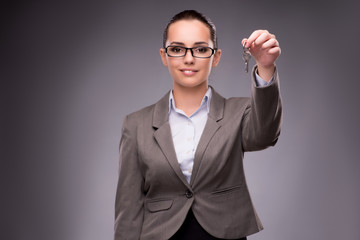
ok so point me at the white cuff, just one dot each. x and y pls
(261, 82)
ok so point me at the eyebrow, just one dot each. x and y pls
(182, 44)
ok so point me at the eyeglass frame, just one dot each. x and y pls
(213, 51)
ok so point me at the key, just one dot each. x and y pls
(246, 56)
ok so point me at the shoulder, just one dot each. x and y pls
(139, 117)
(237, 101)
(236, 107)
(145, 116)
(228, 109)
(141, 113)
(232, 103)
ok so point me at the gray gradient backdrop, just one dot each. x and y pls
(73, 70)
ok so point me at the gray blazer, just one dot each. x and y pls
(153, 196)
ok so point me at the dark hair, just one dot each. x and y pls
(189, 15)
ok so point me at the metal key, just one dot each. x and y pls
(246, 56)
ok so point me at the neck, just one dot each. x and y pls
(188, 99)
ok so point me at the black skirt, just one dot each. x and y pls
(192, 230)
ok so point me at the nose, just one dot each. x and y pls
(188, 58)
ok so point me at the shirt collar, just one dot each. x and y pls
(206, 100)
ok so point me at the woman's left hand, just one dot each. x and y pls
(265, 49)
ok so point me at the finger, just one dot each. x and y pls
(253, 37)
(262, 38)
(244, 41)
(274, 51)
(270, 43)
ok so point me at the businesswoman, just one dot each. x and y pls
(181, 159)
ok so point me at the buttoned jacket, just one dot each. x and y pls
(153, 196)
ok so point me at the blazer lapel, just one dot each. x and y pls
(163, 135)
(212, 125)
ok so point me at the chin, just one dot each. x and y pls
(190, 84)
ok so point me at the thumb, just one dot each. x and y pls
(244, 41)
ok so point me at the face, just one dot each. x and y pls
(188, 71)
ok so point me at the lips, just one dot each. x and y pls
(188, 72)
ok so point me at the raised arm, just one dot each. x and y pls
(262, 119)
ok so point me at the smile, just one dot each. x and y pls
(188, 72)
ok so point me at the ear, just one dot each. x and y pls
(163, 57)
(216, 58)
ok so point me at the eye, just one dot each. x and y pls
(202, 49)
(176, 49)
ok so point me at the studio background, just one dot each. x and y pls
(71, 71)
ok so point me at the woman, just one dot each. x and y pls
(181, 159)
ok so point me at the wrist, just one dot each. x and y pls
(266, 72)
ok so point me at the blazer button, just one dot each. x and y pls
(188, 194)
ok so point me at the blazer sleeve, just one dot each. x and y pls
(129, 201)
(262, 118)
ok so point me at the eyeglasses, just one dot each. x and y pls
(198, 52)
